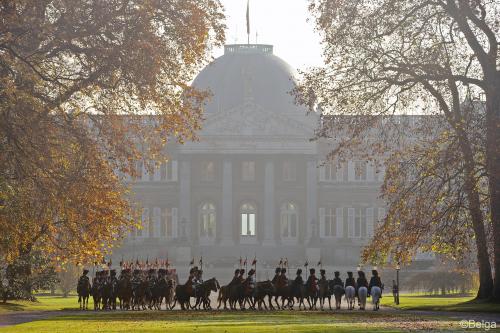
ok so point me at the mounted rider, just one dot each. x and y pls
(322, 278)
(312, 281)
(236, 278)
(361, 281)
(299, 281)
(136, 279)
(282, 280)
(337, 281)
(190, 281)
(241, 276)
(350, 281)
(277, 273)
(83, 281)
(375, 281)
(249, 283)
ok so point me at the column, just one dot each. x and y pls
(227, 204)
(185, 197)
(312, 198)
(269, 215)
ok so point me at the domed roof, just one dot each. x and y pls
(248, 73)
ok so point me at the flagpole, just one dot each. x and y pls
(248, 22)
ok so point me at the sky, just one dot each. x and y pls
(282, 23)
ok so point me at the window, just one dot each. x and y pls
(331, 172)
(207, 221)
(156, 228)
(248, 171)
(357, 217)
(208, 171)
(359, 170)
(168, 171)
(248, 220)
(289, 221)
(289, 171)
(169, 225)
(331, 222)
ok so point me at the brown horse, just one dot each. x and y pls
(263, 289)
(203, 292)
(124, 293)
(83, 289)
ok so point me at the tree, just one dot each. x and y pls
(391, 57)
(87, 88)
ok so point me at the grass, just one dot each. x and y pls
(236, 322)
(440, 303)
(44, 303)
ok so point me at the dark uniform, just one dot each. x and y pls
(350, 281)
(84, 280)
(236, 278)
(282, 280)
(298, 280)
(337, 281)
(375, 281)
(277, 272)
(312, 281)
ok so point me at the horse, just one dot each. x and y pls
(164, 289)
(124, 293)
(223, 296)
(338, 291)
(286, 294)
(182, 295)
(96, 294)
(376, 293)
(325, 291)
(263, 289)
(139, 293)
(83, 289)
(350, 296)
(362, 294)
(203, 293)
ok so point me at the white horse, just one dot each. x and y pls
(362, 294)
(350, 294)
(376, 292)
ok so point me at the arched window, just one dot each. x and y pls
(207, 221)
(248, 216)
(289, 221)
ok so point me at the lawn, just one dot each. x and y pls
(440, 303)
(236, 322)
(44, 303)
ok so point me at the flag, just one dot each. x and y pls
(306, 264)
(192, 262)
(248, 17)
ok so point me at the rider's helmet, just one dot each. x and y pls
(337, 274)
(299, 271)
(237, 272)
(283, 270)
(322, 271)
(277, 270)
(85, 271)
(374, 272)
(312, 271)
(349, 274)
(251, 272)
(242, 271)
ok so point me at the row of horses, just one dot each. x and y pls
(126, 294)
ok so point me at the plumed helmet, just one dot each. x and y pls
(283, 270)
(374, 272)
(312, 271)
(349, 274)
(299, 271)
(85, 271)
(322, 271)
(277, 270)
(337, 273)
(242, 271)
(236, 272)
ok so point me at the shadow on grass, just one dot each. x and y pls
(440, 296)
(11, 307)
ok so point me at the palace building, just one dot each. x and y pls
(254, 183)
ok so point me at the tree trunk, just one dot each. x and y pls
(493, 167)
(483, 259)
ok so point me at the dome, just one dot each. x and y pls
(248, 73)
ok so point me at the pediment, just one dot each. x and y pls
(251, 120)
